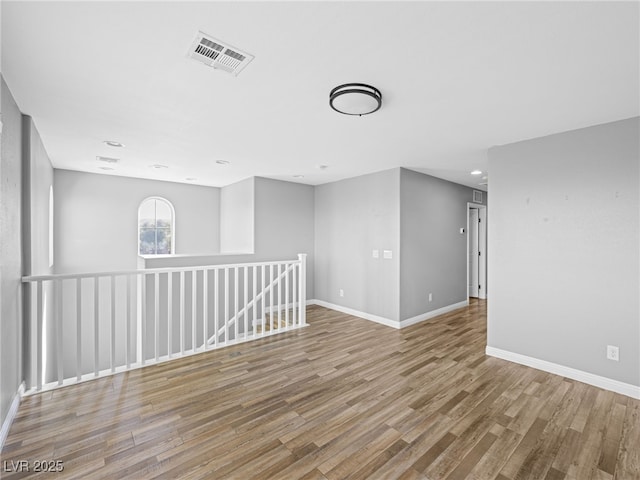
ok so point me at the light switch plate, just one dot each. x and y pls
(376, 254)
(387, 254)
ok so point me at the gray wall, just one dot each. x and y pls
(96, 219)
(563, 249)
(433, 252)
(237, 217)
(37, 174)
(284, 227)
(10, 251)
(284, 223)
(352, 218)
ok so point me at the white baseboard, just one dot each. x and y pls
(356, 313)
(11, 414)
(627, 389)
(433, 313)
(387, 321)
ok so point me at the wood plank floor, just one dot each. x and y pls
(342, 399)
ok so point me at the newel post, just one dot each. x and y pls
(303, 288)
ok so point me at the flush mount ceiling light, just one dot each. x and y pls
(355, 99)
(476, 172)
(222, 162)
(157, 166)
(113, 143)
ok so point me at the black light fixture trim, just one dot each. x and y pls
(356, 88)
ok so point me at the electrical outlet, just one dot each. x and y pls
(341, 292)
(430, 297)
(613, 353)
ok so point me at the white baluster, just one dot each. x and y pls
(286, 295)
(235, 303)
(271, 285)
(226, 305)
(216, 320)
(38, 335)
(96, 325)
(169, 314)
(279, 296)
(78, 329)
(205, 312)
(127, 334)
(255, 300)
(143, 320)
(182, 293)
(294, 309)
(112, 356)
(58, 322)
(194, 308)
(245, 284)
(156, 315)
(303, 288)
(263, 297)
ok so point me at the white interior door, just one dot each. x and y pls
(482, 252)
(474, 245)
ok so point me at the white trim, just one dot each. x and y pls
(11, 414)
(387, 321)
(356, 313)
(627, 389)
(433, 313)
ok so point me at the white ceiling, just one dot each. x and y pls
(456, 78)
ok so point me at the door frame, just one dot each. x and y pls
(482, 248)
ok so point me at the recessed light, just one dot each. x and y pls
(157, 166)
(298, 176)
(106, 168)
(322, 167)
(476, 172)
(222, 162)
(190, 179)
(113, 143)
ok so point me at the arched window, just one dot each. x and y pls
(156, 227)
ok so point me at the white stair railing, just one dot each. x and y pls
(274, 286)
(85, 326)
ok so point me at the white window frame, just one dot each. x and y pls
(173, 227)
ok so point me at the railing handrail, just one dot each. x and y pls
(149, 271)
(142, 317)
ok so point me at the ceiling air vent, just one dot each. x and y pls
(214, 53)
(107, 159)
